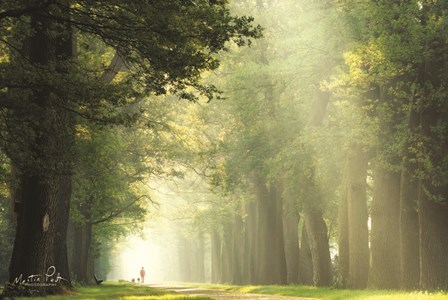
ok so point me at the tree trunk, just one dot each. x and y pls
(291, 220)
(315, 224)
(357, 218)
(39, 245)
(316, 230)
(216, 257)
(237, 268)
(250, 244)
(76, 257)
(320, 249)
(385, 234)
(227, 253)
(81, 256)
(409, 223)
(265, 264)
(87, 259)
(305, 260)
(433, 244)
(44, 188)
(197, 267)
(184, 254)
(343, 238)
(271, 257)
(433, 150)
(409, 229)
(278, 236)
(433, 199)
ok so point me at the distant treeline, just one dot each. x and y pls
(332, 157)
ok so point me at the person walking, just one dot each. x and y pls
(142, 275)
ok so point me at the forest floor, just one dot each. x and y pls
(116, 291)
(276, 292)
(218, 294)
(197, 291)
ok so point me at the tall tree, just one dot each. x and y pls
(45, 182)
(385, 207)
(433, 187)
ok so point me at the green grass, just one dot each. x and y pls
(332, 293)
(124, 291)
(128, 291)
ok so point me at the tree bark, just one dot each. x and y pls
(409, 229)
(278, 237)
(216, 257)
(76, 257)
(409, 224)
(265, 208)
(271, 255)
(184, 255)
(385, 234)
(39, 244)
(316, 229)
(433, 199)
(237, 269)
(433, 148)
(343, 237)
(357, 218)
(45, 181)
(197, 267)
(227, 253)
(320, 249)
(82, 256)
(313, 203)
(291, 220)
(433, 244)
(250, 244)
(305, 260)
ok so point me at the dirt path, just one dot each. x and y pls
(223, 295)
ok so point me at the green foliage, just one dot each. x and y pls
(108, 183)
(402, 53)
(168, 43)
(165, 48)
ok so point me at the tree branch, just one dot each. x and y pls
(112, 70)
(120, 211)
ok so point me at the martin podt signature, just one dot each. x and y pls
(50, 278)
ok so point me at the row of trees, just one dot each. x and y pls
(333, 147)
(56, 78)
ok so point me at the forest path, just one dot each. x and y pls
(222, 295)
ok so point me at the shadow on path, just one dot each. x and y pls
(222, 295)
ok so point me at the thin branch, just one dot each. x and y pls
(120, 211)
(112, 70)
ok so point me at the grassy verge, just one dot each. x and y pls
(123, 291)
(331, 293)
